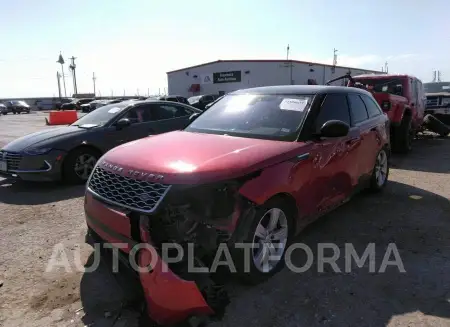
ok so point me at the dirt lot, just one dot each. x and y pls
(413, 213)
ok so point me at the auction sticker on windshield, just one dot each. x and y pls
(293, 104)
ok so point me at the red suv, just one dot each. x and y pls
(255, 168)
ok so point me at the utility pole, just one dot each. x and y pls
(72, 67)
(439, 76)
(61, 61)
(93, 80)
(333, 69)
(58, 78)
(386, 68)
(287, 52)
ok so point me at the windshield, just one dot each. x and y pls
(194, 99)
(102, 115)
(272, 117)
(387, 85)
(437, 87)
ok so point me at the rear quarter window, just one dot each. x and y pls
(357, 108)
(373, 109)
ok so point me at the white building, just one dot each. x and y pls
(223, 76)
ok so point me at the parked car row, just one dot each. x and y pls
(201, 102)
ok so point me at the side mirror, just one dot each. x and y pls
(334, 128)
(193, 117)
(122, 123)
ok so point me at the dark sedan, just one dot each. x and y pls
(16, 107)
(69, 153)
(75, 104)
(201, 101)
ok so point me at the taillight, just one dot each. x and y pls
(386, 105)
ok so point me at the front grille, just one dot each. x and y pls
(12, 159)
(127, 192)
(432, 101)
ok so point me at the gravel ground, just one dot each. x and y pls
(413, 213)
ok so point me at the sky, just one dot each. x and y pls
(130, 45)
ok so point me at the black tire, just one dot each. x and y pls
(14, 112)
(69, 174)
(436, 126)
(4, 113)
(375, 184)
(403, 136)
(249, 273)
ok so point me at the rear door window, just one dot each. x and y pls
(139, 114)
(164, 111)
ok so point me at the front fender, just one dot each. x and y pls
(272, 181)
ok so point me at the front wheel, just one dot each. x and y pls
(79, 164)
(269, 234)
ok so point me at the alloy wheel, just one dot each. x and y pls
(269, 240)
(84, 165)
(381, 168)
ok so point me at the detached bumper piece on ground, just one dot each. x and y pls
(435, 125)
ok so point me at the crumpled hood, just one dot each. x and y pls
(47, 135)
(185, 157)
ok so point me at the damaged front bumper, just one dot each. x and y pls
(169, 298)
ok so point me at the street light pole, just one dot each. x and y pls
(59, 83)
(61, 61)
(72, 67)
(93, 79)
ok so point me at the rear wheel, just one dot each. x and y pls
(403, 136)
(380, 171)
(79, 164)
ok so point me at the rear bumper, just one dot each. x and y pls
(169, 299)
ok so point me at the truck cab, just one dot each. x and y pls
(402, 98)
